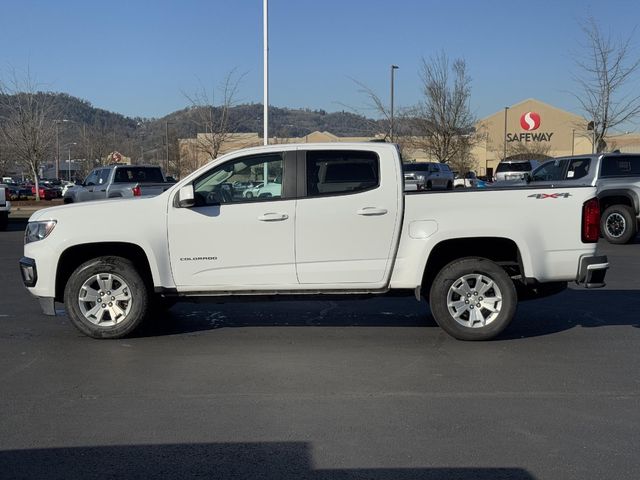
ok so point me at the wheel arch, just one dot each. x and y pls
(76, 255)
(503, 251)
(619, 196)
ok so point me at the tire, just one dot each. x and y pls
(449, 186)
(462, 275)
(248, 195)
(618, 224)
(459, 186)
(429, 186)
(118, 318)
(4, 220)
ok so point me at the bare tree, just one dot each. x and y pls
(27, 126)
(443, 121)
(215, 120)
(381, 127)
(605, 72)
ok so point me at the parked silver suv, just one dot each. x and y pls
(427, 176)
(514, 169)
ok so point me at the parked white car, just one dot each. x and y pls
(342, 224)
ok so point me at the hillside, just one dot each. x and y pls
(96, 132)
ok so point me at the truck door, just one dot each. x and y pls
(233, 240)
(347, 217)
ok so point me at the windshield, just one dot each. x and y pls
(514, 167)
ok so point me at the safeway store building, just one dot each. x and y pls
(536, 130)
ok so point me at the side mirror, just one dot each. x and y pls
(186, 196)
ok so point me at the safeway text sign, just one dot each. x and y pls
(529, 122)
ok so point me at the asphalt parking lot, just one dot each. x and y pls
(322, 389)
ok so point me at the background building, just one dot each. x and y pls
(530, 129)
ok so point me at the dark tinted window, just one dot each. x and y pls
(138, 175)
(415, 167)
(334, 172)
(620, 166)
(549, 171)
(513, 167)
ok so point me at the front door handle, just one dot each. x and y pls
(371, 211)
(273, 217)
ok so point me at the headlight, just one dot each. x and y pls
(38, 230)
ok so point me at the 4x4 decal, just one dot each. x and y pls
(541, 196)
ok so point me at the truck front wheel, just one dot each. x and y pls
(106, 297)
(473, 298)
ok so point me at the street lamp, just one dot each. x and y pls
(504, 155)
(69, 160)
(393, 69)
(57, 123)
(166, 135)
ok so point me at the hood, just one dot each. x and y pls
(93, 209)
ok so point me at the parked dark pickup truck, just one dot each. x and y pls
(119, 181)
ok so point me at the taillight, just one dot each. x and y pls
(591, 221)
(137, 191)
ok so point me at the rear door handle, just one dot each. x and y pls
(371, 211)
(273, 217)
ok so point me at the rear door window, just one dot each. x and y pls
(336, 172)
(103, 176)
(578, 168)
(620, 166)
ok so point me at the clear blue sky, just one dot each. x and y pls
(139, 57)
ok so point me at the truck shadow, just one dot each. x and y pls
(567, 310)
(264, 460)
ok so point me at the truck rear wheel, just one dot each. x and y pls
(473, 298)
(106, 298)
(618, 224)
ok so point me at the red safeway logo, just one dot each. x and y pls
(530, 121)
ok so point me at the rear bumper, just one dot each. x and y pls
(592, 270)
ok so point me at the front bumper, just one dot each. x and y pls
(592, 270)
(29, 273)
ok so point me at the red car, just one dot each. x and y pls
(45, 193)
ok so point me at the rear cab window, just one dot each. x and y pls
(513, 167)
(620, 166)
(138, 175)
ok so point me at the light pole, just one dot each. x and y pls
(504, 155)
(573, 140)
(265, 62)
(58, 122)
(69, 161)
(166, 135)
(393, 69)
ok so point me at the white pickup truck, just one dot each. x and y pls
(339, 223)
